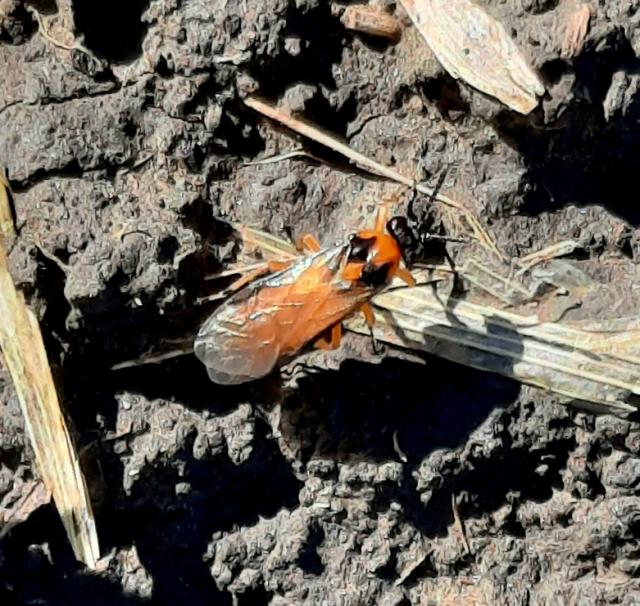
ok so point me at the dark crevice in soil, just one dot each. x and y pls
(444, 92)
(238, 128)
(85, 94)
(552, 71)
(335, 120)
(113, 29)
(236, 136)
(219, 244)
(309, 559)
(48, 573)
(44, 7)
(72, 170)
(539, 7)
(356, 410)
(389, 571)
(172, 531)
(322, 41)
(253, 597)
(207, 91)
(51, 280)
(17, 27)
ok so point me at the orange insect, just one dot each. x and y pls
(273, 318)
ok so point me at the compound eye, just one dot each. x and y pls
(399, 228)
(397, 224)
(405, 237)
(359, 248)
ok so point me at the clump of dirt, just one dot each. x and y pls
(354, 478)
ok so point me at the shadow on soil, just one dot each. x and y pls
(355, 411)
(37, 567)
(585, 157)
(358, 412)
(170, 531)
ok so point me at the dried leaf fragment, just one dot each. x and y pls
(371, 20)
(472, 45)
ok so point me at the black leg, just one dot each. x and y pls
(438, 187)
(411, 213)
(377, 348)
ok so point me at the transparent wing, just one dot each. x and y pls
(236, 348)
(246, 337)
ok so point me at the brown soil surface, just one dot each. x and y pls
(332, 484)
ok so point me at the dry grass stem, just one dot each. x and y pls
(584, 363)
(7, 228)
(458, 524)
(317, 135)
(26, 359)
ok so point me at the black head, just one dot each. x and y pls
(422, 243)
(402, 233)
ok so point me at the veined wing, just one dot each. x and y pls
(276, 316)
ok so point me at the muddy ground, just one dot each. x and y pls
(334, 483)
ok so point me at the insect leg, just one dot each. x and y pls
(367, 312)
(265, 268)
(405, 275)
(382, 217)
(336, 336)
(273, 266)
(333, 342)
(248, 277)
(308, 243)
(411, 213)
(370, 319)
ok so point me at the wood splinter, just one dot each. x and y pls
(371, 20)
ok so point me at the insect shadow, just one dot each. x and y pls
(399, 410)
(391, 409)
(489, 481)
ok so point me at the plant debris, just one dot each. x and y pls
(575, 29)
(579, 363)
(25, 357)
(7, 227)
(371, 20)
(473, 46)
